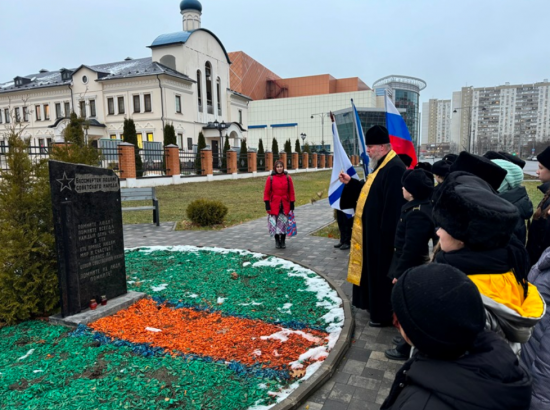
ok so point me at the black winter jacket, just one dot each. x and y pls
(539, 231)
(414, 231)
(519, 198)
(488, 377)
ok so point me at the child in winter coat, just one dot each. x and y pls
(412, 236)
(457, 365)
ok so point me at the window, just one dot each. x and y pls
(178, 104)
(180, 140)
(58, 110)
(7, 115)
(208, 73)
(147, 102)
(199, 94)
(240, 116)
(121, 105)
(46, 112)
(110, 106)
(25, 114)
(82, 109)
(3, 147)
(113, 136)
(137, 107)
(219, 95)
(150, 137)
(67, 109)
(190, 144)
(0, 116)
(140, 140)
(92, 108)
(17, 115)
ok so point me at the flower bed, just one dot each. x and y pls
(221, 329)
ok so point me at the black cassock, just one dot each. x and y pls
(380, 216)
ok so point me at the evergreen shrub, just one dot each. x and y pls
(206, 212)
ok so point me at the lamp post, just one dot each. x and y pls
(220, 126)
(322, 115)
(303, 136)
(469, 108)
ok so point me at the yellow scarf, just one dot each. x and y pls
(355, 266)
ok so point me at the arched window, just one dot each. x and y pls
(208, 73)
(169, 61)
(219, 95)
(199, 92)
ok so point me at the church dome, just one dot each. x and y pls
(191, 4)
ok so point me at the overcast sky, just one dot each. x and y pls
(448, 44)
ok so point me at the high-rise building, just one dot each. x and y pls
(406, 94)
(436, 124)
(513, 118)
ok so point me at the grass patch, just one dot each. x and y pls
(243, 197)
(329, 231)
(534, 193)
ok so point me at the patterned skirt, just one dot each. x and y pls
(277, 224)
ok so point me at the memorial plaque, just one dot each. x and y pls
(88, 234)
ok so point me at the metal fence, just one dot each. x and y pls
(242, 163)
(300, 161)
(36, 154)
(260, 162)
(188, 163)
(153, 163)
(288, 164)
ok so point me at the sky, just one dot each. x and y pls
(448, 44)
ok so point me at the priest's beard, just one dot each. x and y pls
(373, 162)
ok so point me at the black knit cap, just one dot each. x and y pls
(440, 310)
(407, 160)
(377, 135)
(470, 211)
(424, 165)
(513, 158)
(544, 157)
(418, 182)
(481, 167)
(441, 168)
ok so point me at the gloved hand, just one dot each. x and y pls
(267, 206)
(292, 205)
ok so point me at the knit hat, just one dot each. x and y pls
(513, 158)
(544, 157)
(441, 168)
(377, 135)
(407, 160)
(450, 158)
(424, 165)
(481, 167)
(418, 183)
(514, 175)
(439, 308)
(470, 211)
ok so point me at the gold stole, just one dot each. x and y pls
(355, 266)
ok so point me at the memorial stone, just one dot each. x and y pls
(88, 234)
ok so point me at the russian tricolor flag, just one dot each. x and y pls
(400, 138)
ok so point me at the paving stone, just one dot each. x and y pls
(334, 405)
(310, 405)
(364, 382)
(363, 405)
(354, 367)
(342, 393)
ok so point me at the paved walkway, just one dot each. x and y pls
(364, 377)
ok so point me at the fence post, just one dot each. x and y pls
(321, 160)
(282, 157)
(206, 162)
(126, 160)
(269, 161)
(172, 158)
(314, 160)
(305, 159)
(295, 163)
(232, 162)
(330, 159)
(252, 161)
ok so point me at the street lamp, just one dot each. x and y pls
(469, 121)
(322, 115)
(220, 126)
(303, 136)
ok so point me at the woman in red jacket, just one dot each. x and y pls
(279, 201)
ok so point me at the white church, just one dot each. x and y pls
(185, 82)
